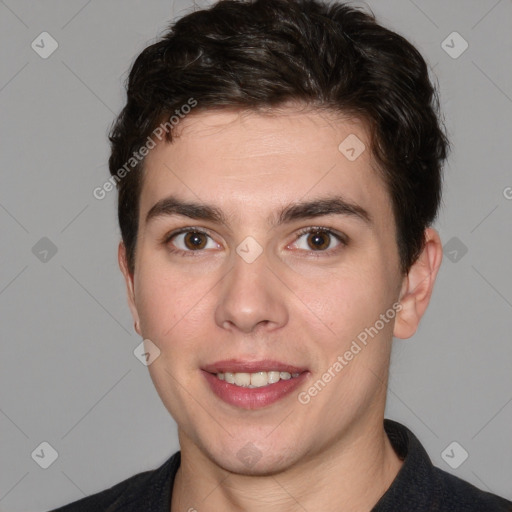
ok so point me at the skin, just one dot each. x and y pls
(294, 303)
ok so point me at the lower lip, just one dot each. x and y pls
(253, 398)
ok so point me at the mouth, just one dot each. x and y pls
(257, 379)
(253, 385)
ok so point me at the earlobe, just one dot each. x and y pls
(418, 285)
(130, 288)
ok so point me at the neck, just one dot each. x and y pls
(351, 475)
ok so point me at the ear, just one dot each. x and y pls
(130, 289)
(417, 286)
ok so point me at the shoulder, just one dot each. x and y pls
(422, 487)
(453, 493)
(149, 491)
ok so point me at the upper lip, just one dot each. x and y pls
(246, 366)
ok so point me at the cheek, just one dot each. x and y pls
(170, 303)
(343, 302)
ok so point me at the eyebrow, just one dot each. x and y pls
(300, 210)
(321, 207)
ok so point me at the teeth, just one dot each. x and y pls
(273, 377)
(257, 379)
(242, 379)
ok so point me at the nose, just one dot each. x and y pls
(251, 298)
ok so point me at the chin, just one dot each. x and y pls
(251, 461)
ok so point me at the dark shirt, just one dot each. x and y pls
(418, 486)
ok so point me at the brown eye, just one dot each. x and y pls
(189, 241)
(195, 240)
(319, 240)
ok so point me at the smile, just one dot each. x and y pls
(253, 384)
(257, 379)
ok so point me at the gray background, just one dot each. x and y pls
(68, 374)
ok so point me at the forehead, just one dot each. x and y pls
(254, 162)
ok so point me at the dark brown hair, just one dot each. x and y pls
(265, 53)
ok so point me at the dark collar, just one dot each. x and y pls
(418, 487)
(412, 486)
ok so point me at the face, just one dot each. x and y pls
(263, 257)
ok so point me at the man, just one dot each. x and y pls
(279, 168)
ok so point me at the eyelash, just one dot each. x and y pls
(167, 238)
(342, 239)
